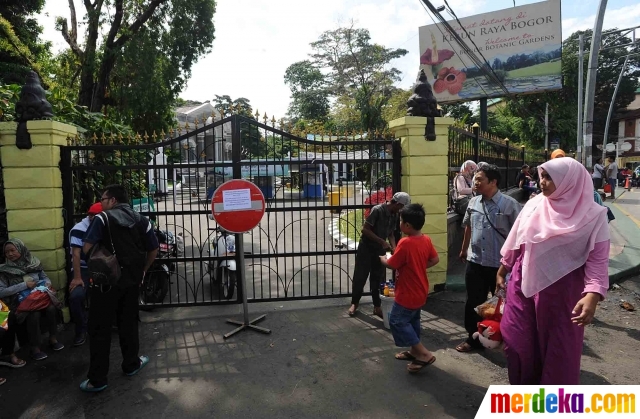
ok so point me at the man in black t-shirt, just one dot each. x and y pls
(136, 247)
(378, 237)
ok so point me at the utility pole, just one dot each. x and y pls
(592, 74)
(546, 127)
(580, 98)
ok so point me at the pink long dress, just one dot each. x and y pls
(541, 343)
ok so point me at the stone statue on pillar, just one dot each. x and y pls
(423, 103)
(32, 105)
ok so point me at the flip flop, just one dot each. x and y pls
(144, 360)
(405, 356)
(2, 381)
(84, 386)
(420, 364)
(7, 362)
(464, 347)
(352, 313)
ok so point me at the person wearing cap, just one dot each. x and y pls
(487, 222)
(376, 239)
(80, 282)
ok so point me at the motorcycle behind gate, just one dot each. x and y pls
(155, 285)
(223, 271)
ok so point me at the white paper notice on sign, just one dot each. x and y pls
(236, 199)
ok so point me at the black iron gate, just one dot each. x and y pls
(317, 189)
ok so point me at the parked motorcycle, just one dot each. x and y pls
(223, 271)
(157, 280)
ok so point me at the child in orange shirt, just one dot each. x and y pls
(413, 255)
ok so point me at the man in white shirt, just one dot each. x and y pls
(612, 175)
(598, 174)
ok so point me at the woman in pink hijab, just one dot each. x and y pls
(558, 256)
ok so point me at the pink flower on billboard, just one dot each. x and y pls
(449, 79)
(434, 57)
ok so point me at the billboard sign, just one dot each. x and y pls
(523, 46)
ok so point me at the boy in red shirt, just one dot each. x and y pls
(413, 255)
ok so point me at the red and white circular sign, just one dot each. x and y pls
(238, 206)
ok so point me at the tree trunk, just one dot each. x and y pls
(87, 77)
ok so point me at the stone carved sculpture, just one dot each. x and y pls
(423, 103)
(32, 105)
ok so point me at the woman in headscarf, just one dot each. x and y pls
(464, 180)
(558, 256)
(13, 284)
(463, 186)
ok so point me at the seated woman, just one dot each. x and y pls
(19, 264)
(463, 186)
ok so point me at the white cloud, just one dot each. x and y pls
(256, 40)
(624, 17)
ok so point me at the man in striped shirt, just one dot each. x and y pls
(80, 282)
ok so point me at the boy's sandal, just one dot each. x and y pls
(405, 356)
(416, 365)
(39, 356)
(2, 381)
(57, 346)
(11, 363)
(84, 386)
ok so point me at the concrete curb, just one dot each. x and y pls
(334, 231)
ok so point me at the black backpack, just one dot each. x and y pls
(129, 249)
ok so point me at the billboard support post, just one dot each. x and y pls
(476, 143)
(580, 97)
(592, 74)
(483, 115)
(546, 126)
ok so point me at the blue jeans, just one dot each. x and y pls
(405, 325)
(77, 309)
(613, 182)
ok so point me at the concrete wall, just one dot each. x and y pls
(33, 193)
(424, 177)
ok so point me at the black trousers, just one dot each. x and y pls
(367, 266)
(107, 302)
(33, 321)
(8, 337)
(479, 280)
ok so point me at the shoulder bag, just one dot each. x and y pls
(484, 209)
(102, 262)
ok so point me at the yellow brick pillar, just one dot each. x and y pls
(425, 169)
(33, 193)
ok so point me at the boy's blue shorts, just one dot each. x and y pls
(405, 325)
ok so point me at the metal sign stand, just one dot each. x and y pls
(245, 305)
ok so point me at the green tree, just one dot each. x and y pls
(522, 117)
(181, 29)
(251, 140)
(460, 112)
(358, 69)
(309, 93)
(397, 105)
(20, 45)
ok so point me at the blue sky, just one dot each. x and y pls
(256, 40)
